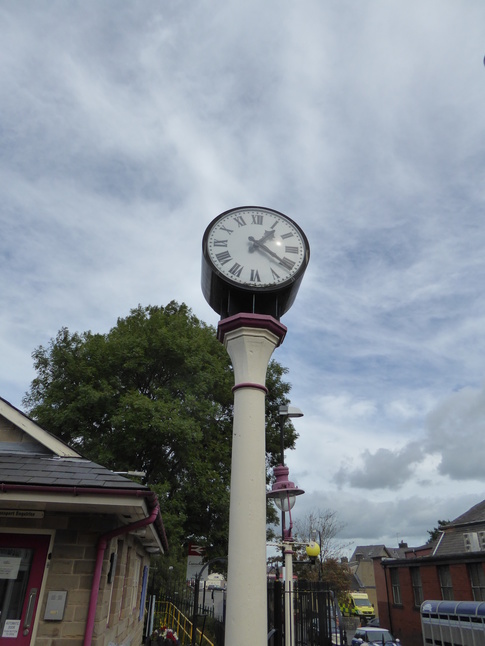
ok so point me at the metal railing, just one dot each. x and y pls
(167, 614)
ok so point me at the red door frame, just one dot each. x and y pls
(40, 544)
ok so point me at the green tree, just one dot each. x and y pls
(154, 394)
(434, 533)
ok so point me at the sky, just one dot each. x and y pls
(127, 127)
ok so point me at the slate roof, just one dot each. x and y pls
(42, 459)
(34, 462)
(372, 551)
(475, 514)
(452, 540)
(17, 468)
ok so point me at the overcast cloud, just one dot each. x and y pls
(127, 127)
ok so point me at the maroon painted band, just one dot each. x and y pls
(261, 321)
(249, 384)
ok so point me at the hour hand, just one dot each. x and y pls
(267, 235)
(263, 247)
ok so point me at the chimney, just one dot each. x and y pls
(403, 545)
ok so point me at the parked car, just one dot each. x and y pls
(374, 622)
(373, 636)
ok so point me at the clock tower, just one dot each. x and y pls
(253, 261)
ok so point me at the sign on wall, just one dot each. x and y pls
(195, 561)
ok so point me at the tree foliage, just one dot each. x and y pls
(434, 533)
(154, 394)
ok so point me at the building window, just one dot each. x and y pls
(136, 582)
(477, 579)
(445, 582)
(126, 579)
(114, 585)
(396, 588)
(417, 586)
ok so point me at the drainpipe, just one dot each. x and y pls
(389, 612)
(103, 541)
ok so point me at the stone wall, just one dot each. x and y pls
(70, 567)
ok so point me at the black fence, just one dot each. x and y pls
(316, 620)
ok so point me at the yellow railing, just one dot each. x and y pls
(166, 614)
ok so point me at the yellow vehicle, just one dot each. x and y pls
(357, 604)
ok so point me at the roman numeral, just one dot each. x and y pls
(236, 269)
(287, 235)
(240, 221)
(229, 231)
(287, 263)
(255, 276)
(291, 249)
(223, 257)
(275, 275)
(257, 218)
(220, 243)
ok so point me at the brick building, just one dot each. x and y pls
(361, 566)
(454, 570)
(75, 543)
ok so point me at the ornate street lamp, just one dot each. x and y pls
(284, 493)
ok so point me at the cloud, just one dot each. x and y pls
(456, 432)
(455, 435)
(127, 128)
(368, 520)
(383, 469)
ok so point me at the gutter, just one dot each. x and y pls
(79, 491)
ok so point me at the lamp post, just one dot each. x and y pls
(285, 412)
(284, 493)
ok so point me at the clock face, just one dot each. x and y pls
(256, 247)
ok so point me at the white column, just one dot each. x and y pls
(250, 341)
(289, 617)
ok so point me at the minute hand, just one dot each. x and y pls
(263, 247)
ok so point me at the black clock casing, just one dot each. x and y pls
(253, 261)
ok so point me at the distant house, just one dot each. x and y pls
(75, 543)
(361, 566)
(453, 568)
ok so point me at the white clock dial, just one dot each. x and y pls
(256, 247)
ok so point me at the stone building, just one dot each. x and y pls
(75, 543)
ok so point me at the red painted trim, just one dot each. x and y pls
(249, 384)
(260, 321)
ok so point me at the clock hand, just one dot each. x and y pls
(268, 234)
(263, 247)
